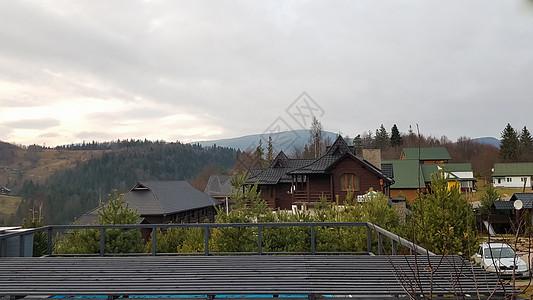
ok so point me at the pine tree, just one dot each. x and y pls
(258, 155)
(443, 219)
(358, 145)
(382, 138)
(395, 138)
(270, 151)
(526, 145)
(509, 148)
(116, 240)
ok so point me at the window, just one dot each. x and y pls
(509, 179)
(349, 182)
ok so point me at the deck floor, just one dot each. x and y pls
(242, 275)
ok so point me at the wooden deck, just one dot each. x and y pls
(311, 276)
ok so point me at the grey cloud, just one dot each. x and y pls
(243, 63)
(32, 123)
(49, 135)
(94, 135)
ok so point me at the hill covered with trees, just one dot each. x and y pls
(71, 191)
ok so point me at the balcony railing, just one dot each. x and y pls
(371, 230)
(301, 196)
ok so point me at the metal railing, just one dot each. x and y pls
(371, 229)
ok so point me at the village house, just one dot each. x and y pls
(412, 173)
(296, 182)
(512, 175)
(160, 202)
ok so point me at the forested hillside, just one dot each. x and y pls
(72, 191)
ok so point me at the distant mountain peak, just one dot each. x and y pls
(286, 140)
(488, 140)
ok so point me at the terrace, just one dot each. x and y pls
(380, 271)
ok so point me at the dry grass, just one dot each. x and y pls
(39, 166)
(503, 192)
(9, 204)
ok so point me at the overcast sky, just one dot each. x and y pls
(198, 70)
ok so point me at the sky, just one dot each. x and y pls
(73, 71)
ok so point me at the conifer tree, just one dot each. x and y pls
(526, 145)
(509, 148)
(258, 155)
(358, 145)
(443, 219)
(116, 240)
(395, 138)
(270, 151)
(382, 138)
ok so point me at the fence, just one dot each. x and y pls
(370, 230)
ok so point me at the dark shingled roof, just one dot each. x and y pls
(526, 198)
(159, 198)
(166, 197)
(503, 205)
(282, 166)
(387, 169)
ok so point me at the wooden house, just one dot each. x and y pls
(287, 182)
(160, 202)
(5, 191)
(412, 172)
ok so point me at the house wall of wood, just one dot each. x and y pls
(277, 196)
(410, 194)
(367, 179)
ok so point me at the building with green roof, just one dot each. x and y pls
(410, 176)
(512, 175)
(434, 155)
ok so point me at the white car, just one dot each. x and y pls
(501, 258)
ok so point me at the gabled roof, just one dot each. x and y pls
(91, 217)
(503, 205)
(218, 185)
(282, 167)
(526, 198)
(434, 153)
(277, 171)
(513, 169)
(166, 197)
(408, 174)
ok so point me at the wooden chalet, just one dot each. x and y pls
(5, 191)
(287, 182)
(160, 202)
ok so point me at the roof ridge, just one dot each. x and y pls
(156, 197)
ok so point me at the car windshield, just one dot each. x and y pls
(506, 252)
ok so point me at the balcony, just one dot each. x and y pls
(302, 197)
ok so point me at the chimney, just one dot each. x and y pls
(373, 156)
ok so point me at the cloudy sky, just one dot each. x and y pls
(198, 70)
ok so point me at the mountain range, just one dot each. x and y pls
(288, 140)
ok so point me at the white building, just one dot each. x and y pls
(512, 175)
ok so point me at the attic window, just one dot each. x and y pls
(349, 182)
(140, 188)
